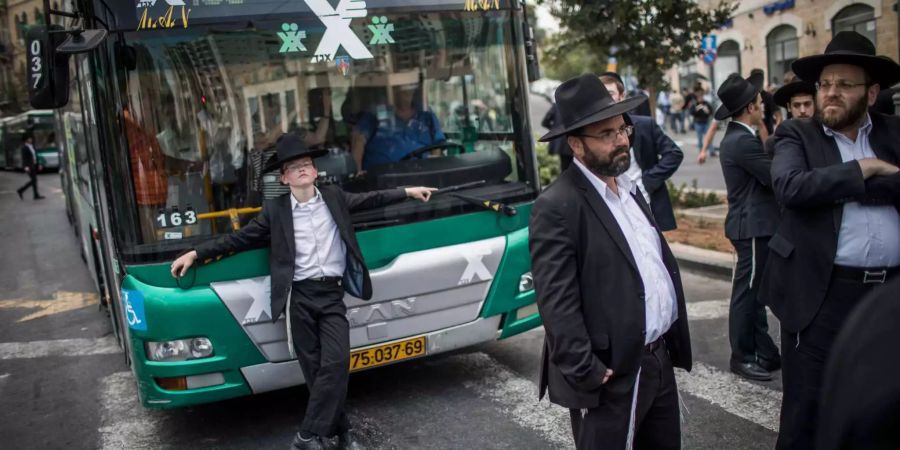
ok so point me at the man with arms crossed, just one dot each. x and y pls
(836, 176)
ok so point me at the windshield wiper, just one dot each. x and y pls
(459, 187)
(488, 204)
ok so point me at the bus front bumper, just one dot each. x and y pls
(278, 375)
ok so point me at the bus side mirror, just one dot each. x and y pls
(48, 70)
(531, 54)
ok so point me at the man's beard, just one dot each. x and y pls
(844, 118)
(612, 167)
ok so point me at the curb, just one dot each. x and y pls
(708, 262)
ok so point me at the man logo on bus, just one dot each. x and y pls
(381, 31)
(337, 29)
(291, 38)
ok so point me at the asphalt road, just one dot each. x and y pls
(64, 384)
(706, 176)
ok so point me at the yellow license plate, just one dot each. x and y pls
(387, 353)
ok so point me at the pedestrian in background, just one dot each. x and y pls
(31, 167)
(677, 112)
(750, 222)
(701, 111)
(607, 285)
(839, 237)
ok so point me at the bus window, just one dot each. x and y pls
(206, 104)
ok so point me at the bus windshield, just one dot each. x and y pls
(434, 103)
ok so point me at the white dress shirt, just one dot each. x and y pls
(646, 248)
(320, 251)
(869, 235)
(636, 176)
(33, 153)
(748, 127)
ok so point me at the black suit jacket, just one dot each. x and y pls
(812, 184)
(658, 157)
(752, 210)
(591, 297)
(275, 226)
(29, 160)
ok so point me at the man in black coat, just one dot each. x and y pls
(31, 166)
(655, 157)
(751, 220)
(608, 287)
(837, 178)
(314, 258)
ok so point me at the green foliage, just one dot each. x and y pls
(578, 59)
(683, 198)
(647, 35)
(548, 164)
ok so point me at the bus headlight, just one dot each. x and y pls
(179, 350)
(526, 282)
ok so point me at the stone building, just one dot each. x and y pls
(770, 34)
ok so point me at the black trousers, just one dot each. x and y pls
(804, 355)
(657, 419)
(32, 182)
(748, 326)
(321, 337)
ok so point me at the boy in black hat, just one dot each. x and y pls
(750, 222)
(607, 285)
(839, 238)
(323, 260)
(799, 99)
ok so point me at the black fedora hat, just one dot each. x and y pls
(584, 100)
(784, 94)
(757, 78)
(736, 93)
(849, 47)
(289, 147)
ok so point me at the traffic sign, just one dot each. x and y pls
(709, 57)
(709, 42)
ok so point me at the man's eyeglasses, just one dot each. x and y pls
(840, 85)
(298, 167)
(610, 136)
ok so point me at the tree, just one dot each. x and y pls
(648, 35)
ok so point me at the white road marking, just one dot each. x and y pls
(735, 395)
(709, 309)
(60, 347)
(125, 424)
(517, 397)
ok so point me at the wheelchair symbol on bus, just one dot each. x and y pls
(133, 301)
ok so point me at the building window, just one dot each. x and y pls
(782, 49)
(728, 61)
(857, 17)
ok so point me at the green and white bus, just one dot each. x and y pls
(171, 116)
(41, 125)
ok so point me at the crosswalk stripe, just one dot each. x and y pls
(59, 347)
(517, 396)
(758, 404)
(124, 424)
(709, 309)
